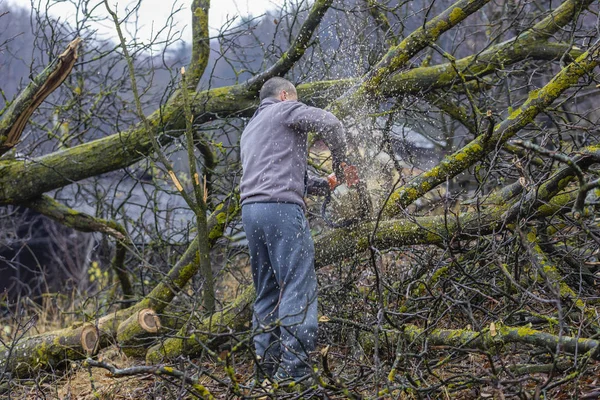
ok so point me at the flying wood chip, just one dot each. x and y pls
(493, 331)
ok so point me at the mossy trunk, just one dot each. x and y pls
(492, 338)
(235, 317)
(435, 230)
(135, 334)
(49, 350)
(24, 180)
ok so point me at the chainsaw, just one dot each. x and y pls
(347, 203)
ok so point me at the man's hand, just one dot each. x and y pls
(332, 180)
(350, 176)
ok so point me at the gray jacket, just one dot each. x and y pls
(274, 151)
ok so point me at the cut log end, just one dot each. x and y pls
(148, 320)
(90, 339)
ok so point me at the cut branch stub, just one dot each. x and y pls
(149, 321)
(136, 332)
(235, 317)
(90, 339)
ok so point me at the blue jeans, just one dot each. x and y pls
(285, 311)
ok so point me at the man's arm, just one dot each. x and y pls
(327, 127)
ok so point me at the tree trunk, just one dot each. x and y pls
(49, 350)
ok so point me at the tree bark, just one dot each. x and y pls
(137, 332)
(499, 335)
(49, 350)
(211, 332)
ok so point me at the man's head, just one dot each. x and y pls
(278, 88)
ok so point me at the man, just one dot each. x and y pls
(274, 183)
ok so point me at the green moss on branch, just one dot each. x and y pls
(499, 336)
(470, 154)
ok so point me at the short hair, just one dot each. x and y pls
(274, 86)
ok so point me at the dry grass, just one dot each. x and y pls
(94, 383)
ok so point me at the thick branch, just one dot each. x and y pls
(531, 43)
(234, 318)
(42, 174)
(75, 219)
(398, 56)
(137, 332)
(476, 66)
(340, 244)
(16, 117)
(83, 222)
(541, 201)
(455, 163)
(48, 350)
(486, 340)
(297, 48)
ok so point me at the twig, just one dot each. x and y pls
(584, 186)
(554, 155)
(157, 370)
(140, 112)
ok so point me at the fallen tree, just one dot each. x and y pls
(50, 351)
(122, 325)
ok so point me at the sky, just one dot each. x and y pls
(154, 13)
